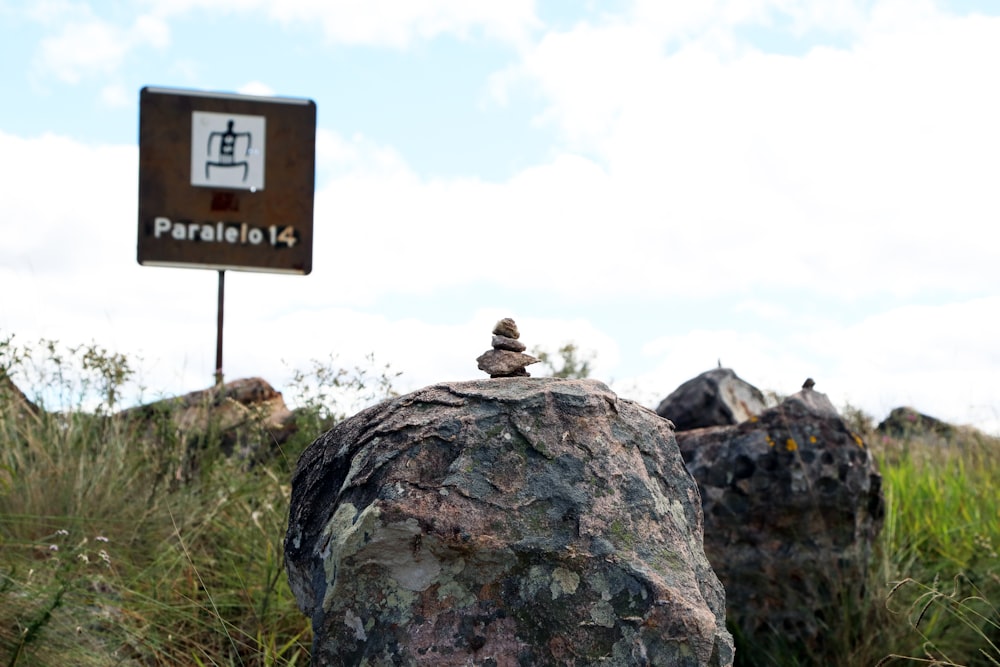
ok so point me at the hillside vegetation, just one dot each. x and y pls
(124, 542)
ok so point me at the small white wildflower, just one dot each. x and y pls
(53, 547)
(83, 557)
(101, 538)
(104, 556)
(62, 531)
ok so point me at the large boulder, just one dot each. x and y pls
(715, 398)
(793, 502)
(506, 522)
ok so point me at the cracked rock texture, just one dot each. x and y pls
(715, 398)
(513, 521)
(793, 503)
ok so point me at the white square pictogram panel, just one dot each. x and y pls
(227, 150)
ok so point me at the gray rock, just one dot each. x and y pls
(247, 416)
(793, 503)
(815, 403)
(505, 343)
(715, 398)
(506, 327)
(503, 522)
(906, 422)
(504, 363)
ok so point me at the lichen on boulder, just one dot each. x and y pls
(504, 522)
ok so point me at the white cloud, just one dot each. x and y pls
(82, 42)
(844, 170)
(383, 22)
(383, 230)
(763, 309)
(256, 88)
(588, 75)
(676, 20)
(938, 359)
(701, 170)
(389, 23)
(768, 363)
(53, 11)
(115, 96)
(359, 157)
(150, 31)
(60, 196)
(85, 45)
(83, 48)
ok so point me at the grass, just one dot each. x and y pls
(934, 581)
(940, 547)
(126, 542)
(106, 559)
(114, 550)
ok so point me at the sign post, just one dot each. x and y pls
(218, 327)
(226, 182)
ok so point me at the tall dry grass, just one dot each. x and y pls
(109, 557)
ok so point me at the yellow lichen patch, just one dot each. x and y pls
(791, 445)
(858, 440)
(753, 419)
(812, 439)
(770, 443)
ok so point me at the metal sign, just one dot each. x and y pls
(226, 181)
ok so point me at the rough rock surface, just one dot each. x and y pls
(249, 415)
(793, 501)
(506, 522)
(905, 422)
(505, 363)
(507, 343)
(715, 398)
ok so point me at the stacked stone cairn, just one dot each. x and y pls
(507, 358)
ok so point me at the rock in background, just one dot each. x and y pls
(905, 422)
(248, 417)
(793, 502)
(14, 400)
(715, 398)
(503, 522)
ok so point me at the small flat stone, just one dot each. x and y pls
(516, 374)
(505, 363)
(505, 343)
(506, 327)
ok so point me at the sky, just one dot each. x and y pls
(791, 189)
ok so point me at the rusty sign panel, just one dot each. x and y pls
(226, 181)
